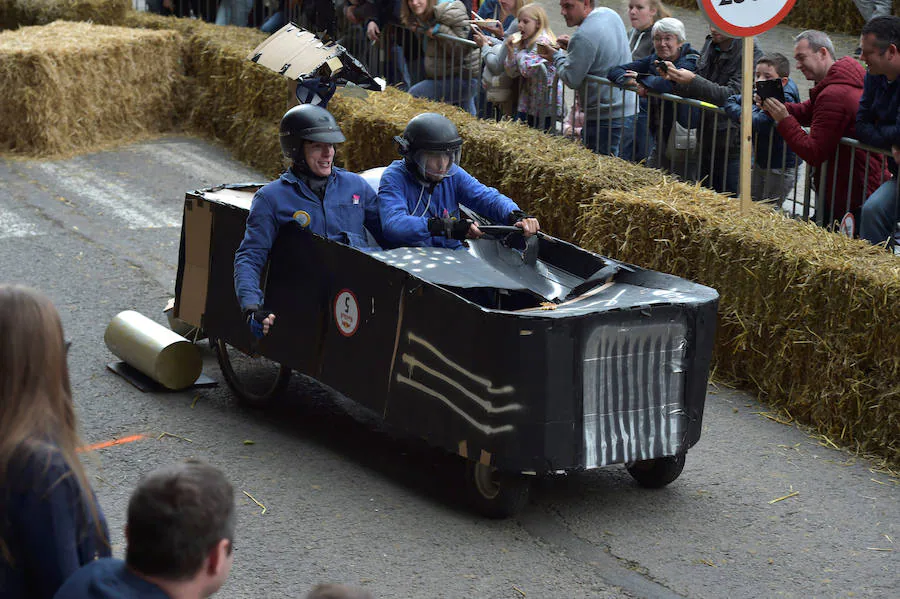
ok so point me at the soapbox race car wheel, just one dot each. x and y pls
(657, 473)
(493, 493)
(255, 380)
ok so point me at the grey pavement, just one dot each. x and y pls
(349, 500)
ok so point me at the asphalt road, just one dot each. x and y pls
(348, 501)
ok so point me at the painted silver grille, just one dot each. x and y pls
(633, 392)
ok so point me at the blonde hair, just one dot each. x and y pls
(536, 12)
(36, 407)
(409, 19)
(518, 7)
(661, 11)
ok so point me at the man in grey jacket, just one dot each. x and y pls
(599, 43)
(718, 77)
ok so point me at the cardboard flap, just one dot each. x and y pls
(295, 53)
(191, 304)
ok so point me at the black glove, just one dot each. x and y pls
(515, 216)
(254, 317)
(449, 227)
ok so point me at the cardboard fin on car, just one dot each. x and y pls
(298, 54)
(294, 52)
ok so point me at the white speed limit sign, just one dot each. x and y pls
(745, 18)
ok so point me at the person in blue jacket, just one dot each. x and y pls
(419, 196)
(50, 522)
(320, 197)
(645, 75)
(775, 165)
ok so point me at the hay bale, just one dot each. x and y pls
(546, 175)
(806, 318)
(231, 99)
(22, 13)
(68, 87)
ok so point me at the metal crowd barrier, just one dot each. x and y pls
(398, 56)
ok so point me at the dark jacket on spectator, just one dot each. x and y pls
(46, 528)
(688, 117)
(718, 78)
(830, 113)
(775, 157)
(640, 42)
(878, 117)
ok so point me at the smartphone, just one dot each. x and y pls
(661, 66)
(770, 89)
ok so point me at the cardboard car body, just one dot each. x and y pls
(524, 368)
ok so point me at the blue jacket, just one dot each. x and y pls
(687, 59)
(45, 524)
(406, 204)
(878, 117)
(764, 129)
(108, 578)
(348, 209)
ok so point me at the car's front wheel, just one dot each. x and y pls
(255, 380)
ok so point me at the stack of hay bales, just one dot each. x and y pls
(21, 13)
(236, 100)
(806, 316)
(548, 175)
(72, 86)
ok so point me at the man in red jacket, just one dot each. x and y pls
(830, 113)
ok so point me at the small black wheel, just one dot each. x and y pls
(255, 380)
(657, 473)
(493, 493)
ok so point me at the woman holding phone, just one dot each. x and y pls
(645, 75)
(451, 68)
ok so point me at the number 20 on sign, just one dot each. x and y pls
(745, 18)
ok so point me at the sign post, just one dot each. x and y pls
(745, 19)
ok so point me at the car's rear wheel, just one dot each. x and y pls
(657, 473)
(255, 380)
(493, 493)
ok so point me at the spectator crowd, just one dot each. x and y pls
(641, 91)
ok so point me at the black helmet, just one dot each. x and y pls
(429, 133)
(307, 123)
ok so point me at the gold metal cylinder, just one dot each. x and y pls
(163, 355)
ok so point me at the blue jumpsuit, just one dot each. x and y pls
(406, 203)
(348, 209)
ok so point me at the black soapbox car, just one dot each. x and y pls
(575, 361)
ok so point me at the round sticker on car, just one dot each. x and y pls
(346, 312)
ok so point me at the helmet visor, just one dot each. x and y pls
(434, 165)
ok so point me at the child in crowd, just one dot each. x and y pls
(775, 165)
(536, 106)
